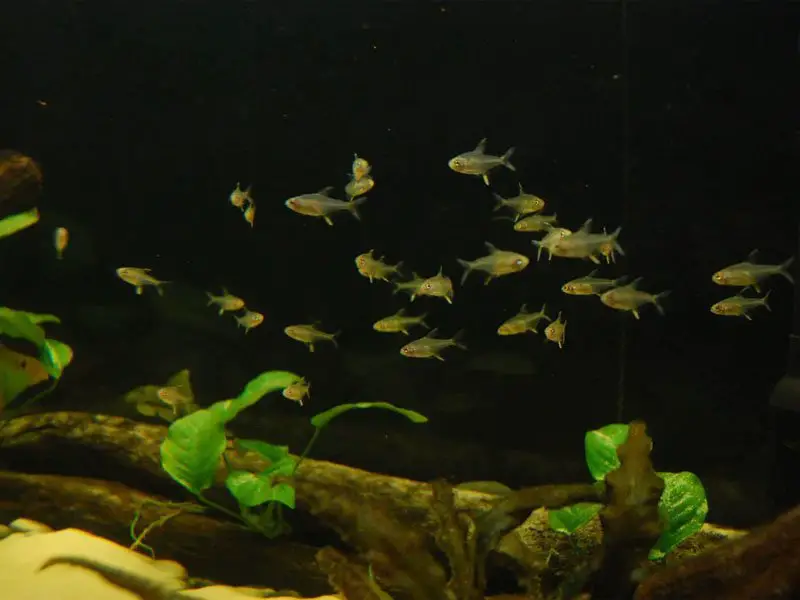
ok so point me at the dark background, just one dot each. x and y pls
(675, 120)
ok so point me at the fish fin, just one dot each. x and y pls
(400, 312)
(328, 220)
(633, 284)
(784, 269)
(746, 316)
(139, 290)
(333, 339)
(467, 269)
(521, 191)
(524, 308)
(501, 202)
(456, 339)
(635, 314)
(210, 298)
(657, 301)
(620, 280)
(485, 178)
(326, 190)
(352, 206)
(592, 273)
(506, 159)
(594, 259)
(756, 287)
(422, 321)
(432, 332)
(490, 247)
(481, 147)
(396, 268)
(764, 300)
(438, 357)
(752, 256)
(221, 312)
(587, 225)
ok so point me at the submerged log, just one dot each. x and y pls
(204, 544)
(107, 448)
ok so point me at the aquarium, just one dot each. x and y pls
(400, 299)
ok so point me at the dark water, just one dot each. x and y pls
(677, 122)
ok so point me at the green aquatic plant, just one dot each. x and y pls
(14, 223)
(195, 446)
(683, 506)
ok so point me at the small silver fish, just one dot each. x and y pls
(320, 204)
(477, 162)
(750, 274)
(430, 346)
(139, 277)
(740, 306)
(629, 298)
(495, 264)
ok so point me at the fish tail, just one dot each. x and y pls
(506, 159)
(456, 339)
(614, 236)
(501, 202)
(784, 269)
(467, 269)
(422, 321)
(763, 300)
(657, 301)
(352, 206)
(397, 267)
(333, 339)
(210, 298)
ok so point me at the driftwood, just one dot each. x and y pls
(208, 545)
(89, 450)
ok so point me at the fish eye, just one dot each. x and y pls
(427, 285)
(518, 262)
(457, 162)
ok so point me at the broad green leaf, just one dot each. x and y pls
(40, 318)
(322, 419)
(281, 468)
(249, 489)
(259, 387)
(571, 518)
(18, 324)
(55, 356)
(271, 452)
(601, 449)
(192, 450)
(683, 508)
(14, 223)
(283, 493)
(265, 383)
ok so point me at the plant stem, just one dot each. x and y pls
(307, 449)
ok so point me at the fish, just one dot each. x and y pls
(750, 274)
(374, 268)
(400, 322)
(523, 321)
(249, 320)
(361, 167)
(477, 162)
(174, 397)
(584, 244)
(297, 391)
(60, 241)
(438, 286)
(607, 250)
(496, 264)
(591, 285)
(411, 286)
(310, 335)
(523, 204)
(536, 223)
(553, 236)
(240, 197)
(139, 277)
(629, 298)
(225, 302)
(250, 214)
(740, 306)
(320, 204)
(430, 346)
(359, 187)
(556, 331)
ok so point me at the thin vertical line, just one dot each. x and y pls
(626, 126)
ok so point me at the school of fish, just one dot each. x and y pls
(525, 211)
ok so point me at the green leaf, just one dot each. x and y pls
(249, 489)
(14, 223)
(265, 383)
(571, 518)
(282, 468)
(601, 449)
(192, 450)
(55, 356)
(683, 508)
(259, 387)
(322, 419)
(18, 324)
(254, 489)
(271, 452)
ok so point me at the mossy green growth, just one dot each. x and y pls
(683, 506)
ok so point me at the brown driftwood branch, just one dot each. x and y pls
(119, 449)
(202, 543)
